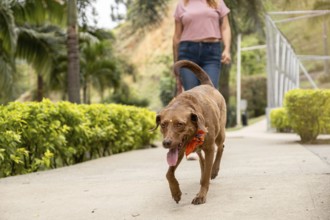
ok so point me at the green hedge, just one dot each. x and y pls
(38, 136)
(306, 112)
(279, 120)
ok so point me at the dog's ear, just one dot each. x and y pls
(199, 121)
(157, 123)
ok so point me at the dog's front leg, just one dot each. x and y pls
(206, 175)
(201, 164)
(173, 182)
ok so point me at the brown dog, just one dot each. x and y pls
(195, 117)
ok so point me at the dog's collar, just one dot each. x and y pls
(196, 141)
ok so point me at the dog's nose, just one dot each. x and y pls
(167, 143)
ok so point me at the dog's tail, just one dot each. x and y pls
(197, 70)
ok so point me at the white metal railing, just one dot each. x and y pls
(283, 65)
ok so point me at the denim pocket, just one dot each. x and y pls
(186, 50)
(184, 47)
(211, 52)
(183, 50)
(214, 49)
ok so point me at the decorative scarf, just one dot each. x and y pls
(196, 141)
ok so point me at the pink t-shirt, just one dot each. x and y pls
(199, 20)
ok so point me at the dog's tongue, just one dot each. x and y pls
(172, 157)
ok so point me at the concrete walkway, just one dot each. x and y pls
(263, 176)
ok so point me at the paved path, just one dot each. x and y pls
(263, 176)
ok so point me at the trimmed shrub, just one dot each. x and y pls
(39, 136)
(308, 112)
(279, 120)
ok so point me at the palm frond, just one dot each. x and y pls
(6, 74)
(39, 12)
(102, 34)
(40, 47)
(58, 76)
(87, 37)
(8, 35)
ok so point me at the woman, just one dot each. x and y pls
(200, 26)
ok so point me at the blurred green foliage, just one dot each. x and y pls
(306, 112)
(38, 136)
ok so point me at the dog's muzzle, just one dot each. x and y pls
(167, 143)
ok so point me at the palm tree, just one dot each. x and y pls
(38, 40)
(41, 48)
(30, 42)
(8, 38)
(101, 69)
(98, 69)
(26, 33)
(73, 54)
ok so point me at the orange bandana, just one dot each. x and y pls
(195, 142)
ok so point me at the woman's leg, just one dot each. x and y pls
(211, 61)
(188, 79)
(188, 51)
(213, 70)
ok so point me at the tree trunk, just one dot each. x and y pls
(73, 54)
(326, 50)
(89, 93)
(224, 89)
(40, 88)
(85, 93)
(224, 81)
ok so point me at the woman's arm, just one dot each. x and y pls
(176, 39)
(226, 37)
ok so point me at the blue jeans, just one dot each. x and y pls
(206, 55)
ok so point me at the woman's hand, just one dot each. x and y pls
(225, 57)
(226, 37)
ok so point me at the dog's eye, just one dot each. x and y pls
(179, 125)
(163, 125)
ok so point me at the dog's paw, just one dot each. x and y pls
(214, 173)
(199, 200)
(177, 196)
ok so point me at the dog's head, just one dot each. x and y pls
(178, 125)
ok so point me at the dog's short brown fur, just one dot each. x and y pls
(201, 108)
